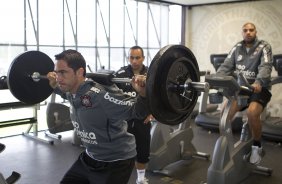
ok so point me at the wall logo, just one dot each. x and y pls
(217, 28)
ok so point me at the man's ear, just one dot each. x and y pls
(80, 71)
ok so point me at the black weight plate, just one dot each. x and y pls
(179, 100)
(22, 85)
(173, 64)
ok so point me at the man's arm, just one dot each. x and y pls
(53, 83)
(265, 68)
(139, 84)
(228, 67)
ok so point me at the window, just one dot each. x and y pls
(102, 30)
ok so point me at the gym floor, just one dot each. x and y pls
(39, 162)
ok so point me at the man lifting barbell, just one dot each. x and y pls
(98, 115)
(172, 82)
(98, 111)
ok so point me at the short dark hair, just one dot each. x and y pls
(137, 47)
(252, 24)
(73, 58)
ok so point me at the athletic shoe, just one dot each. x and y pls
(256, 155)
(145, 181)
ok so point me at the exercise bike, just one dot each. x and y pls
(170, 144)
(209, 114)
(272, 120)
(230, 162)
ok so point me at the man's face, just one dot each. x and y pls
(249, 33)
(136, 59)
(67, 79)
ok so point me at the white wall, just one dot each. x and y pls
(216, 28)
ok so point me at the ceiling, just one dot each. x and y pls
(196, 2)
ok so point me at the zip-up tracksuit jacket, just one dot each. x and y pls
(99, 115)
(137, 127)
(127, 72)
(256, 64)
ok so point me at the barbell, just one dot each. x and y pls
(172, 83)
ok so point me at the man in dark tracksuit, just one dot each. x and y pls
(99, 115)
(252, 57)
(140, 128)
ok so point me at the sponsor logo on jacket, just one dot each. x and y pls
(131, 93)
(87, 137)
(95, 90)
(86, 101)
(247, 73)
(117, 101)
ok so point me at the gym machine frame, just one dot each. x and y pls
(32, 121)
(230, 162)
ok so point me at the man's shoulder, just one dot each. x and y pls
(263, 42)
(122, 70)
(263, 45)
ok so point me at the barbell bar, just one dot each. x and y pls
(172, 83)
(199, 86)
(36, 77)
